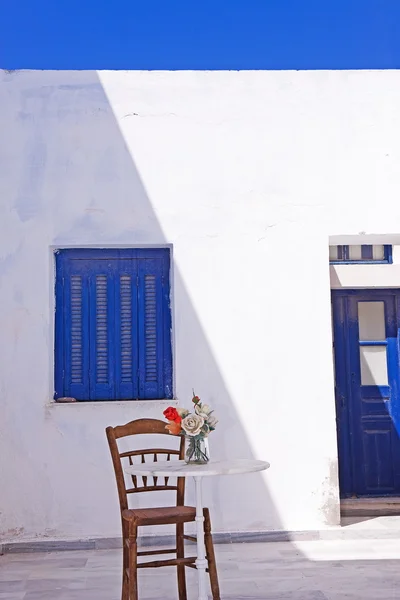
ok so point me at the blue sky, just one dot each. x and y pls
(202, 34)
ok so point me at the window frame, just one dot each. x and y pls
(61, 256)
(343, 250)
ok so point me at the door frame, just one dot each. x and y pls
(343, 385)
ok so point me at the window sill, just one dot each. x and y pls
(97, 404)
(359, 262)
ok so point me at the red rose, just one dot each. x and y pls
(171, 414)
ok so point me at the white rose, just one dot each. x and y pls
(192, 424)
(202, 411)
(212, 421)
(182, 412)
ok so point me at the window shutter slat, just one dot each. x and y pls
(150, 324)
(126, 361)
(126, 328)
(150, 328)
(102, 358)
(76, 332)
(102, 345)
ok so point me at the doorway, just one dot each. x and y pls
(367, 391)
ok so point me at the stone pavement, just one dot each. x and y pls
(320, 570)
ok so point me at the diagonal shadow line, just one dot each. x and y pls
(197, 366)
(78, 185)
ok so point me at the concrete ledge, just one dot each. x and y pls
(243, 537)
(152, 541)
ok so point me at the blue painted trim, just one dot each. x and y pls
(362, 408)
(167, 328)
(367, 293)
(59, 337)
(389, 254)
(366, 252)
(107, 253)
(354, 375)
(359, 262)
(377, 391)
(342, 392)
(343, 256)
(88, 264)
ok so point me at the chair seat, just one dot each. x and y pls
(160, 516)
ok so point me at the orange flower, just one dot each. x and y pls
(174, 428)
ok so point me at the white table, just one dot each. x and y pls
(178, 468)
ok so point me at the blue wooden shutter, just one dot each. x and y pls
(72, 329)
(113, 338)
(155, 372)
(126, 330)
(102, 334)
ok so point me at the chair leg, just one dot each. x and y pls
(180, 553)
(133, 587)
(125, 566)
(212, 565)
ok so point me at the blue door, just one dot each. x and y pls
(366, 351)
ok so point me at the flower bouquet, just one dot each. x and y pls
(195, 426)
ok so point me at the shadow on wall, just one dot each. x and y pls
(78, 185)
(126, 216)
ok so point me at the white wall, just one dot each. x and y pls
(246, 174)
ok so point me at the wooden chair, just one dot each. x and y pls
(179, 514)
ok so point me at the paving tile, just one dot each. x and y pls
(307, 595)
(322, 570)
(14, 585)
(75, 583)
(13, 574)
(44, 595)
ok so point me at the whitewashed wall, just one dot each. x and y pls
(246, 174)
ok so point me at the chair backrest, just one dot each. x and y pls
(140, 427)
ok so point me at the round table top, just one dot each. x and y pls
(179, 468)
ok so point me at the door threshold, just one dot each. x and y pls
(370, 507)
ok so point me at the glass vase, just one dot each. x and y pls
(196, 450)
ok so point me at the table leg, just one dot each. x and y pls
(201, 562)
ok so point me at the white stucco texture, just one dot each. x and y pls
(245, 175)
